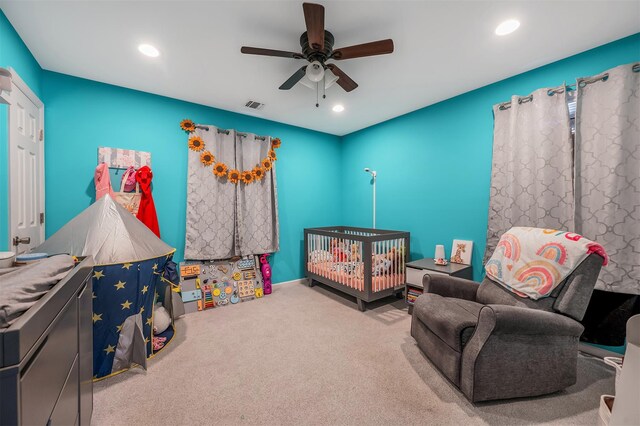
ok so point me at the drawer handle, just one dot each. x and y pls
(35, 356)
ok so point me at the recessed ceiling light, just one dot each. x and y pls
(338, 108)
(507, 27)
(149, 50)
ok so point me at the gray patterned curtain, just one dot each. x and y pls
(532, 166)
(224, 219)
(608, 172)
(258, 202)
(211, 202)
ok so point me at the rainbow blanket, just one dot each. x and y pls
(531, 262)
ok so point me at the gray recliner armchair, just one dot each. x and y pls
(493, 344)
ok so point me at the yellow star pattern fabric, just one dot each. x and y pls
(122, 290)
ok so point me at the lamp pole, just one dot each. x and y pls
(374, 175)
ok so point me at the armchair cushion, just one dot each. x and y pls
(448, 286)
(514, 320)
(452, 320)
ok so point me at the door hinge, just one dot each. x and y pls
(41, 218)
(41, 135)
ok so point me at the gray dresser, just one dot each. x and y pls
(46, 357)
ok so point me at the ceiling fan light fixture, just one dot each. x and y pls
(315, 71)
(338, 108)
(329, 79)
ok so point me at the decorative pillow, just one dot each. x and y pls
(161, 319)
(532, 262)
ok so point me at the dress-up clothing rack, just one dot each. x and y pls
(119, 158)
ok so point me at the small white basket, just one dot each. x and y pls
(604, 413)
(616, 363)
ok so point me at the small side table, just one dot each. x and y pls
(417, 269)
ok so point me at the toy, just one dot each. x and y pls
(265, 268)
(338, 250)
(246, 264)
(355, 252)
(211, 284)
(246, 288)
(207, 297)
(161, 319)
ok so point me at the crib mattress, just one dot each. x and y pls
(336, 271)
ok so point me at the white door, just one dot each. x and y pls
(26, 168)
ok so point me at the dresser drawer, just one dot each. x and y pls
(66, 410)
(414, 276)
(48, 369)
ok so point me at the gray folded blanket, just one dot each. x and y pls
(22, 286)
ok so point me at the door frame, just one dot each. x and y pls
(18, 83)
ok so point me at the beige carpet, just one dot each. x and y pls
(308, 356)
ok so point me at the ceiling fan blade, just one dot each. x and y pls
(270, 52)
(343, 80)
(381, 47)
(314, 19)
(296, 77)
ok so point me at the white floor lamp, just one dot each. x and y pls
(373, 176)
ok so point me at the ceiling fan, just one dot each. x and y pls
(317, 48)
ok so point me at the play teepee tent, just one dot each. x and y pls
(127, 278)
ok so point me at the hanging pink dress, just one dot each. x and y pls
(102, 181)
(147, 212)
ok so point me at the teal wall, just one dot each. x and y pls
(434, 164)
(82, 115)
(13, 53)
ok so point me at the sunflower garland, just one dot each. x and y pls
(221, 170)
(233, 176)
(196, 143)
(258, 173)
(207, 158)
(247, 177)
(188, 125)
(266, 164)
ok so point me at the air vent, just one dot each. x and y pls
(254, 105)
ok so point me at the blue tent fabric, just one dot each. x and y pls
(119, 291)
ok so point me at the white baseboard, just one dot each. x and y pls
(296, 281)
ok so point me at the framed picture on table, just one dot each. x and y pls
(461, 252)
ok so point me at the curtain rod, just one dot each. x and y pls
(583, 82)
(226, 132)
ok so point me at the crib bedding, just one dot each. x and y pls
(351, 275)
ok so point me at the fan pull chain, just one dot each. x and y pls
(317, 95)
(324, 87)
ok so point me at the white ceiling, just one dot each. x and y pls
(442, 49)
